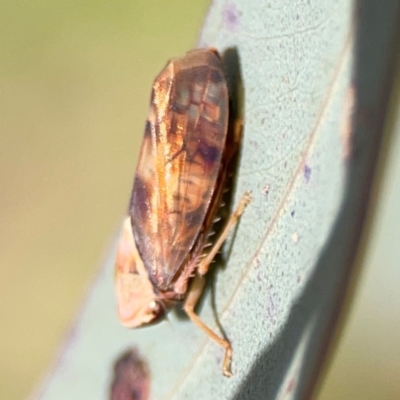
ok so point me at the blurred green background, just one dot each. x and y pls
(74, 91)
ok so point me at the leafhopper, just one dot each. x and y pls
(164, 251)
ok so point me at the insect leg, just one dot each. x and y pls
(205, 263)
(193, 295)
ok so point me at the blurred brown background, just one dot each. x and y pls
(74, 91)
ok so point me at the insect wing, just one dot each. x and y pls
(179, 161)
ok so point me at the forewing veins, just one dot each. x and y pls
(179, 161)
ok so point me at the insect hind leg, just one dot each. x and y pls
(197, 286)
(243, 203)
(194, 293)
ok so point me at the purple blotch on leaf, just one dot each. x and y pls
(307, 173)
(131, 379)
(231, 16)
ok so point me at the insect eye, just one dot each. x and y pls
(154, 307)
(157, 310)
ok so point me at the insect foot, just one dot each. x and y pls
(244, 202)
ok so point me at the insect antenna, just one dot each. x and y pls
(163, 306)
(166, 317)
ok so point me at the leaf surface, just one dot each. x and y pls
(314, 97)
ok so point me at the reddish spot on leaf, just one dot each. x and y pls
(347, 123)
(291, 385)
(131, 378)
(265, 190)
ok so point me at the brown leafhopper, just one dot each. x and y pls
(164, 249)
